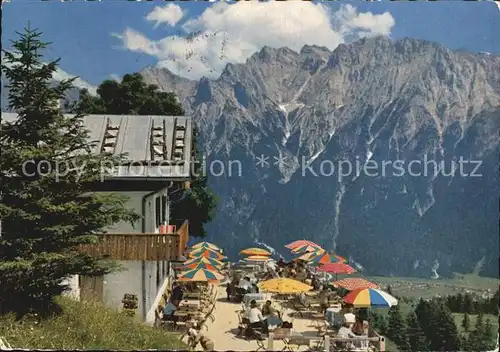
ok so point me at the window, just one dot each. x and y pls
(158, 275)
(158, 212)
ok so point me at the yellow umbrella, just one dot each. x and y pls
(284, 286)
(255, 251)
(258, 258)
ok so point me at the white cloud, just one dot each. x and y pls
(170, 14)
(231, 33)
(115, 77)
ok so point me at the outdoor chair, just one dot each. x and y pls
(297, 341)
(242, 325)
(158, 319)
(283, 334)
(260, 345)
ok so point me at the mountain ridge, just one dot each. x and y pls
(374, 99)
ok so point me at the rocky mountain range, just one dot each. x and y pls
(284, 119)
(281, 131)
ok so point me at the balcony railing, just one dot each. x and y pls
(141, 246)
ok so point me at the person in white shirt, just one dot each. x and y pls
(245, 283)
(255, 316)
(345, 333)
(350, 318)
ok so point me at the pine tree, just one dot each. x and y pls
(488, 336)
(466, 322)
(396, 329)
(468, 304)
(459, 304)
(465, 344)
(446, 332)
(416, 336)
(133, 96)
(494, 304)
(389, 290)
(46, 168)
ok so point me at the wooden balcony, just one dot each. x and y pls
(141, 246)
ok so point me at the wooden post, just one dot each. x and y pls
(270, 341)
(327, 343)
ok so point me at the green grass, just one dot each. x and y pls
(85, 325)
(472, 321)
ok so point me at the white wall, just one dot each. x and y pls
(119, 283)
(135, 203)
(74, 291)
(130, 279)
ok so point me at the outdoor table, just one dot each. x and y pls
(190, 304)
(191, 295)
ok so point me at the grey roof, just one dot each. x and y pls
(154, 146)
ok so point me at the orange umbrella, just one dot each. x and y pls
(337, 268)
(355, 283)
(299, 243)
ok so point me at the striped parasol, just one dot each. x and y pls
(299, 243)
(211, 261)
(208, 253)
(307, 248)
(370, 297)
(205, 245)
(199, 265)
(200, 275)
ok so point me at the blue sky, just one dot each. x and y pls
(97, 40)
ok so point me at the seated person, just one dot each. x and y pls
(196, 336)
(245, 284)
(177, 292)
(230, 291)
(358, 327)
(345, 333)
(271, 314)
(349, 316)
(255, 317)
(169, 311)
